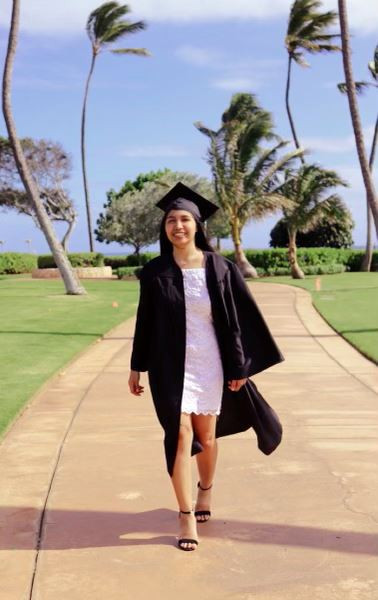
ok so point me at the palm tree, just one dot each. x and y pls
(105, 26)
(69, 277)
(308, 188)
(245, 174)
(360, 87)
(306, 31)
(353, 108)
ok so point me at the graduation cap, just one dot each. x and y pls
(181, 197)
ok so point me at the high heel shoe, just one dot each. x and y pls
(202, 513)
(182, 541)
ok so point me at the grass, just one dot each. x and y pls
(42, 328)
(348, 302)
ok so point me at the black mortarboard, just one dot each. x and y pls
(182, 197)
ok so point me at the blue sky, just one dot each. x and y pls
(141, 110)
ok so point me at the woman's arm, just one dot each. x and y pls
(134, 386)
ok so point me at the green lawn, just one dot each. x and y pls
(348, 302)
(41, 329)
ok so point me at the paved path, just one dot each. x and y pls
(87, 457)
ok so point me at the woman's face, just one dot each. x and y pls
(180, 228)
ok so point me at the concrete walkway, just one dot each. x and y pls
(87, 510)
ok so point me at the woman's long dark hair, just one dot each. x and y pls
(200, 238)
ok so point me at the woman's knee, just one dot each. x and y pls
(207, 441)
(185, 435)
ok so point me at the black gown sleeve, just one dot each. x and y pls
(254, 348)
(240, 304)
(143, 327)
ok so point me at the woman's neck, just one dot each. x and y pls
(188, 257)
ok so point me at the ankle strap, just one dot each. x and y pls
(185, 512)
(202, 488)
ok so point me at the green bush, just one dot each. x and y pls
(332, 235)
(17, 262)
(275, 261)
(129, 260)
(78, 259)
(128, 272)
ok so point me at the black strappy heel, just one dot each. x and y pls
(202, 513)
(182, 541)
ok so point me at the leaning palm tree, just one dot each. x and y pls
(308, 189)
(306, 31)
(105, 26)
(371, 196)
(360, 87)
(246, 174)
(69, 277)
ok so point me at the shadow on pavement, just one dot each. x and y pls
(83, 529)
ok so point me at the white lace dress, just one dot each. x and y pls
(203, 380)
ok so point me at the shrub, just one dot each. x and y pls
(334, 235)
(78, 259)
(275, 261)
(17, 262)
(128, 272)
(129, 260)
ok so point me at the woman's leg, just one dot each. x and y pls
(204, 426)
(182, 480)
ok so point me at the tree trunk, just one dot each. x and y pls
(71, 225)
(69, 277)
(353, 107)
(296, 271)
(241, 260)
(368, 256)
(296, 141)
(83, 158)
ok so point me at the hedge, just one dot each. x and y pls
(17, 262)
(128, 272)
(269, 261)
(78, 259)
(129, 260)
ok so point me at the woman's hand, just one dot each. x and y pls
(134, 386)
(235, 384)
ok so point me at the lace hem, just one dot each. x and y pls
(201, 412)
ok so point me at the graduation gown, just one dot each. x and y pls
(245, 343)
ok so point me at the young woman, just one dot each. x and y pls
(200, 335)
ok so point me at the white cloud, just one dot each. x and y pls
(337, 144)
(154, 151)
(199, 57)
(69, 16)
(234, 73)
(236, 84)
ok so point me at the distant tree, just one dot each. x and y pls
(360, 87)
(132, 218)
(354, 113)
(308, 189)
(246, 174)
(105, 26)
(138, 183)
(218, 227)
(69, 277)
(306, 32)
(49, 166)
(324, 235)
